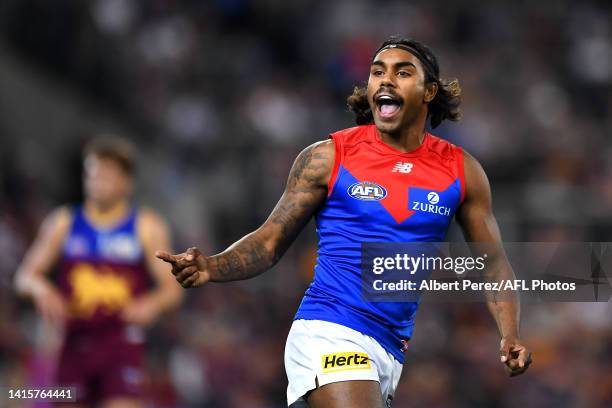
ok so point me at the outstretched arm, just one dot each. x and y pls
(479, 226)
(256, 252)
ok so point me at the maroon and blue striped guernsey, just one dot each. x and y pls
(379, 194)
(101, 270)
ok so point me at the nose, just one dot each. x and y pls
(388, 80)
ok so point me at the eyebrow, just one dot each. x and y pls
(400, 64)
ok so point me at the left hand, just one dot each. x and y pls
(141, 311)
(514, 355)
(189, 268)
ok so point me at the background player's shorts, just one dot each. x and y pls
(319, 353)
(102, 367)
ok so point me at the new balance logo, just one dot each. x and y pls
(402, 167)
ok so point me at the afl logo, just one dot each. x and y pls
(433, 198)
(367, 191)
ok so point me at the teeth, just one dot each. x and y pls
(385, 97)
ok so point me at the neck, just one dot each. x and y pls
(408, 137)
(106, 215)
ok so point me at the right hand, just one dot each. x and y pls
(50, 303)
(189, 268)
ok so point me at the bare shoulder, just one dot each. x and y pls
(53, 230)
(150, 222)
(58, 221)
(323, 147)
(476, 181)
(314, 164)
(320, 153)
(470, 163)
(147, 214)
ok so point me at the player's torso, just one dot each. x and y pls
(378, 194)
(100, 272)
(381, 194)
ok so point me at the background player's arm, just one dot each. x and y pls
(154, 234)
(31, 280)
(304, 193)
(480, 226)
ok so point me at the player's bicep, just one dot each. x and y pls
(475, 215)
(305, 192)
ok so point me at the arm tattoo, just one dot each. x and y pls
(305, 192)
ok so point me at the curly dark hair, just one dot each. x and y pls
(445, 104)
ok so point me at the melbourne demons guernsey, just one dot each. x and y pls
(379, 194)
(100, 272)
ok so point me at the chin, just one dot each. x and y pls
(387, 126)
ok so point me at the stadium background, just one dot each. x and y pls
(221, 95)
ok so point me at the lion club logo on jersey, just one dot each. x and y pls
(428, 201)
(367, 191)
(94, 288)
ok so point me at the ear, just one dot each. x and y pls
(431, 89)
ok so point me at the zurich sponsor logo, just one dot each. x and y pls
(433, 198)
(367, 191)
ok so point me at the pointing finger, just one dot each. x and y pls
(178, 261)
(165, 256)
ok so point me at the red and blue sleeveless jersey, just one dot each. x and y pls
(100, 272)
(379, 194)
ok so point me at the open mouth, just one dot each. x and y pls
(388, 104)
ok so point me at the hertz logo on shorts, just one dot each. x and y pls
(345, 361)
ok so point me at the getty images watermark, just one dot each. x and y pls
(556, 272)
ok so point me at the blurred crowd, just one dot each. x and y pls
(221, 95)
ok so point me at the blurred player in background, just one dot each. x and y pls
(364, 185)
(102, 296)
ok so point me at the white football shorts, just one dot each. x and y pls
(319, 353)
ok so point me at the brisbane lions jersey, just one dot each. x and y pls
(101, 270)
(379, 194)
